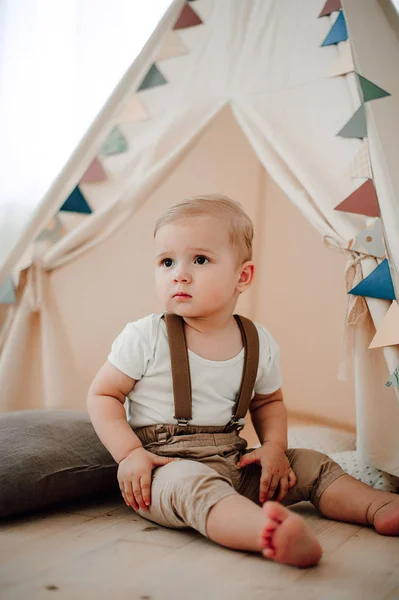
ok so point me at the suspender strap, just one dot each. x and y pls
(250, 340)
(180, 368)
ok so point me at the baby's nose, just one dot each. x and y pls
(181, 275)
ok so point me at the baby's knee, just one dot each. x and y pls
(314, 471)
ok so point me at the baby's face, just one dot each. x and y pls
(196, 271)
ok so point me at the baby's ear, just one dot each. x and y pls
(247, 271)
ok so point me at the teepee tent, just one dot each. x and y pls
(236, 97)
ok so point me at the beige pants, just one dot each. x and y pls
(184, 491)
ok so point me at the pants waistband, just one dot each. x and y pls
(207, 433)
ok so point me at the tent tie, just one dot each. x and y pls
(34, 286)
(356, 308)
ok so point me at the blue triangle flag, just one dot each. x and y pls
(7, 292)
(338, 32)
(76, 202)
(377, 285)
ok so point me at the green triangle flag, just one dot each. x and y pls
(114, 144)
(153, 78)
(7, 292)
(356, 127)
(371, 91)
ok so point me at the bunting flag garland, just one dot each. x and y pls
(53, 232)
(394, 379)
(370, 91)
(356, 127)
(344, 63)
(187, 18)
(360, 167)
(153, 78)
(370, 241)
(362, 201)
(95, 173)
(133, 111)
(172, 46)
(76, 202)
(338, 32)
(114, 144)
(330, 7)
(7, 292)
(388, 331)
(377, 285)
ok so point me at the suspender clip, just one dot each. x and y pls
(233, 421)
(183, 422)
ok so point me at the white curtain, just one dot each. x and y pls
(59, 62)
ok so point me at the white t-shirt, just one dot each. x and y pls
(141, 351)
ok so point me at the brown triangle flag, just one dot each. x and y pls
(363, 201)
(187, 18)
(330, 7)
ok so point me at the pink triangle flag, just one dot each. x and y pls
(362, 201)
(95, 173)
(388, 332)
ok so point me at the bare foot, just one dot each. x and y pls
(287, 538)
(384, 514)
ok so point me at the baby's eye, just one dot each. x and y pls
(201, 260)
(167, 262)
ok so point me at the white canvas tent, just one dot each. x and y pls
(248, 109)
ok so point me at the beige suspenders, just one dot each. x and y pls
(181, 368)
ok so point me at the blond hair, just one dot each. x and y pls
(240, 226)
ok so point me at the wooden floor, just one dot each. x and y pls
(102, 550)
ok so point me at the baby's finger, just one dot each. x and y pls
(137, 493)
(292, 478)
(128, 490)
(264, 486)
(283, 489)
(273, 486)
(145, 483)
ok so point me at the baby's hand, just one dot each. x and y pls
(134, 476)
(276, 470)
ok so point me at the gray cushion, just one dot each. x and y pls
(49, 456)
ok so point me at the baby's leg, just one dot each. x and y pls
(187, 493)
(237, 522)
(338, 495)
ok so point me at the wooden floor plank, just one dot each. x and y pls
(108, 551)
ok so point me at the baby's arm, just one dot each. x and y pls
(105, 402)
(269, 417)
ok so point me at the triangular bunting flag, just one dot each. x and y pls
(76, 202)
(370, 91)
(362, 201)
(394, 379)
(356, 127)
(360, 167)
(7, 292)
(388, 331)
(344, 62)
(153, 78)
(114, 144)
(172, 46)
(370, 241)
(377, 285)
(95, 173)
(53, 232)
(338, 32)
(330, 7)
(133, 111)
(187, 18)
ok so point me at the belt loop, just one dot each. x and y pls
(160, 433)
